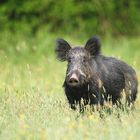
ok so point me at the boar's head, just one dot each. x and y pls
(79, 60)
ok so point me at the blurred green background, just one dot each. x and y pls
(71, 16)
(31, 26)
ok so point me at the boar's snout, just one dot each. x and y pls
(73, 80)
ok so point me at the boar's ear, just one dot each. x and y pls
(62, 49)
(93, 46)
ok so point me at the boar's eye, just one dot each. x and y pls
(84, 59)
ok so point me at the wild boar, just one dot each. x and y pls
(95, 78)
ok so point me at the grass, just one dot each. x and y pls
(33, 105)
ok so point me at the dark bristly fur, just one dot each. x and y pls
(99, 77)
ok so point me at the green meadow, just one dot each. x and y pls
(33, 105)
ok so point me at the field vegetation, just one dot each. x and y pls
(33, 105)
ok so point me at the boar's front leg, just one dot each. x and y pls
(71, 101)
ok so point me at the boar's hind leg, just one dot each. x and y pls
(130, 89)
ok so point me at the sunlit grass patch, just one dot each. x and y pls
(33, 104)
